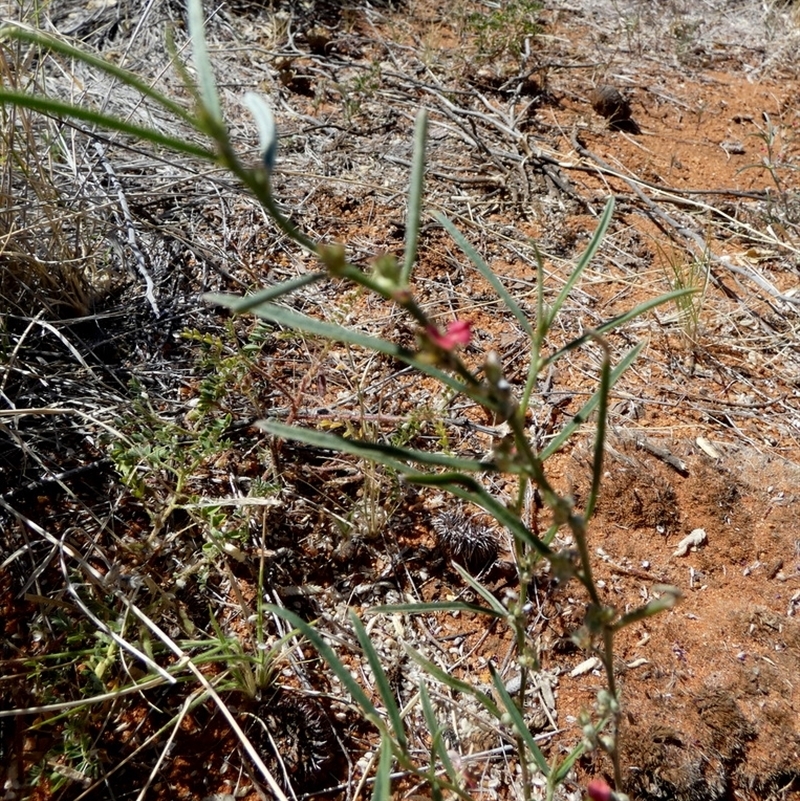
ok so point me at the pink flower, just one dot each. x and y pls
(457, 333)
(598, 790)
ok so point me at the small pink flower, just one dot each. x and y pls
(457, 333)
(598, 790)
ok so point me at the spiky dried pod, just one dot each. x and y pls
(610, 103)
(293, 732)
(466, 541)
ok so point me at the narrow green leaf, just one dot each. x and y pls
(16, 32)
(560, 773)
(390, 455)
(583, 263)
(434, 606)
(615, 322)
(438, 746)
(202, 63)
(415, 196)
(59, 109)
(265, 122)
(452, 682)
(550, 534)
(643, 308)
(310, 325)
(494, 604)
(326, 652)
(537, 340)
(519, 723)
(239, 304)
(542, 324)
(486, 271)
(669, 597)
(600, 432)
(470, 490)
(382, 789)
(187, 79)
(381, 680)
(583, 415)
(320, 439)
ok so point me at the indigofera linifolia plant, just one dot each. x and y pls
(437, 353)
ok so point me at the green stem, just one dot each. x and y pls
(577, 525)
(520, 635)
(608, 662)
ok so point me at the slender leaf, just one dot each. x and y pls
(583, 263)
(561, 772)
(326, 652)
(519, 722)
(615, 322)
(265, 122)
(437, 741)
(452, 682)
(415, 196)
(470, 490)
(310, 325)
(542, 324)
(583, 414)
(537, 340)
(494, 604)
(58, 109)
(390, 455)
(669, 597)
(550, 534)
(382, 789)
(435, 606)
(486, 271)
(600, 432)
(319, 439)
(17, 32)
(239, 304)
(202, 63)
(381, 680)
(643, 308)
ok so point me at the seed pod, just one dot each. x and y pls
(298, 727)
(466, 541)
(610, 103)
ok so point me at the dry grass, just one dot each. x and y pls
(46, 231)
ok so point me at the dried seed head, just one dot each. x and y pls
(466, 541)
(610, 103)
(298, 728)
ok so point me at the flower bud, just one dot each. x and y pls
(493, 368)
(387, 273)
(332, 256)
